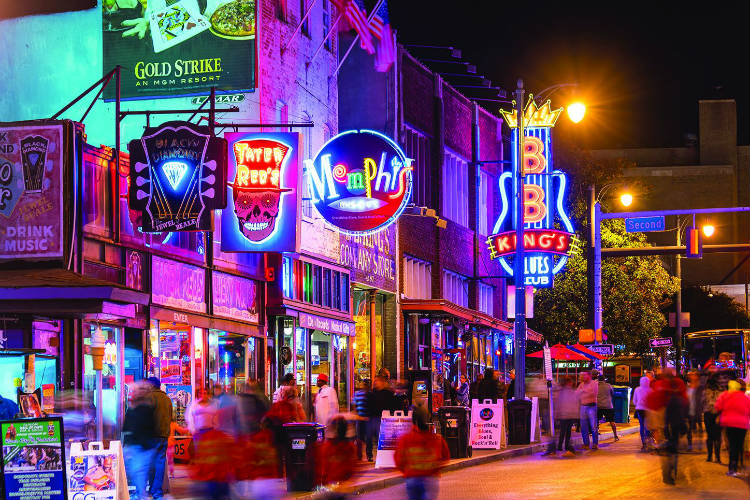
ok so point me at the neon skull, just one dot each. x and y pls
(256, 212)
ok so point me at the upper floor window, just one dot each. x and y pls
(417, 147)
(456, 288)
(97, 191)
(486, 302)
(302, 12)
(455, 199)
(327, 25)
(280, 9)
(485, 210)
(417, 278)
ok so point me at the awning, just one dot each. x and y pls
(204, 321)
(586, 351)
(59, 293)
(470, 315)
(560, 352)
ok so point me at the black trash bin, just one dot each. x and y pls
(299, 454)
(454, 426)
(519, 421)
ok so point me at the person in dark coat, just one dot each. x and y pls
(139, 443)
(380, 399)
(474, 388)
(675, 424)
(489, 388)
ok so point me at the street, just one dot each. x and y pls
(615, 471)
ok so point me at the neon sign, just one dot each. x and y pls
(176, 177)
(548, 233)
(262, 193)
(360, 181)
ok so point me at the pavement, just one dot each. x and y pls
(369, 479)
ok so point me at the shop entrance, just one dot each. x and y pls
(233, 360)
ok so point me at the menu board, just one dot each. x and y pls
(33, 462)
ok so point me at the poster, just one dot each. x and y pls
(392, 427)
(97, 473)
(31, 191)
(33, 464)
(183, 47)
(262, 194)
(181, 396)
(29, 404)
(487, 429)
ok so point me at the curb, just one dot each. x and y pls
(387, 482)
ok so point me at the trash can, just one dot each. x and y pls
(621, 403)
(519, 421)
(454, 426)
(299, 454)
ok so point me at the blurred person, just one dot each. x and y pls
(381, 399)
(288, 409)
(386, 374)
(462, 392)
(401, 395)
(326, 401)
(420, 454)
(675, 424)
(214, 464)
(695, 406)
(252, 406)
(335, 460)
(200, 415)
(511, 385)
(538, 388)
(175, 430)
(474, 387)
(605, 407)
(640, 396)
(734, 415)
(286, 381)
(567, 412)
(139, 438)
(361, 396)
(711, 419)
(163, 420)
(488, 387)
(8, 409)
(259, 469)
(587, 391)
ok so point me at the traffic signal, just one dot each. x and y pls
(694, 243)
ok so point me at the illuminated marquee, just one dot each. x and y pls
(261, 215)
(360, 181)
(548, 232)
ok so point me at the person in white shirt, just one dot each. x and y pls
(201, 414)
(326, 401)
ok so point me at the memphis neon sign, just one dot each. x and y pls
(360, 181)
(548, 232)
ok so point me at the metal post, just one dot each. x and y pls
(678, 302)
(591, 296)
(597, 268)
(519, 327)
(115, 186)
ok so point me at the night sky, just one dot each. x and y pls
(641, 66)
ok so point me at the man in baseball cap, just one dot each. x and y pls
(326, 401)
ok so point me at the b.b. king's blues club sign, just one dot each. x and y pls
(548, 232)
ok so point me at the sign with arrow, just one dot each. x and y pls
(660, 342)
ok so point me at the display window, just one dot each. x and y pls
(232, 360)
(362, 325)
(113, 388)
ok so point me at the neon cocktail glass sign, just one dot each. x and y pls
(548, 232)
(360, 181)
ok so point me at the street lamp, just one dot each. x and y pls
(708, 230)
(626, 199)
(576, 111)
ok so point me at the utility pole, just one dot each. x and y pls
(678, 301)
(519, 327)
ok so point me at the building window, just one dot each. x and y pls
(327, 25)
(486, 299)
(456, 288)
(336, 290)
(97, 191)
(282, 114)
(302, 12)
(417, 278)
(280, 8)
(417, 147)
(485, 185)
(455, 203)
(345, 293)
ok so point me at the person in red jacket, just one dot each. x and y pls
(420, 454)
(335, 460)
(734, 415)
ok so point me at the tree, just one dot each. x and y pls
(711, 310)
(634, 289)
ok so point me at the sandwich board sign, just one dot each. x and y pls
(487, 425)
(97, 473)
(392, 427)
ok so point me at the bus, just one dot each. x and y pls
(727, 349)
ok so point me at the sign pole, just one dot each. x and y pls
(519, 329)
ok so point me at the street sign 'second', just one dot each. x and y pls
(644, 224)
(660, 342)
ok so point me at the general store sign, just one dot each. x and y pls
(31, 191)
(360, 181)
(235, 297)
(371, 258)
(548, 231)
(178, 285)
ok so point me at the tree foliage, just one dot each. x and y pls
(711, 310)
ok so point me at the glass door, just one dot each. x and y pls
(113, 392)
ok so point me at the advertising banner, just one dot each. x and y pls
(235, 297)
(177, 48)
(392, 427)
(97, 473)
(262, 198)
(372, 258)
(181, 396)
(177, 175)
(487, 429)
(31, 191)
(33, 464)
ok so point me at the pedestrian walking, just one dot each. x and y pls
(163, 422)
(335, 460)
(695, 392)
(604, 408)
(474, 387)
(326, 401)
(711, 419)
(675, 424)
(8, 409)
(420, 454)
(488, 387)
(462, 393)
(567, 412)
(138, 438)
(175, 430)
(259, 469)
(201, 414)
(361, 396)
(640, 397)
(734, 415)
(381, 399)
(252, 406)
(286, 381)
(588, 391)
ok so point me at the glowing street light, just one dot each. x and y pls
(708, 230)
(576, 111)
(626, 199)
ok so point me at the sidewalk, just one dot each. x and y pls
(369, 478)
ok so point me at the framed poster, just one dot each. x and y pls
(33, 459)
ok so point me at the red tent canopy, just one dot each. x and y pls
(560, 352)
(588, 352)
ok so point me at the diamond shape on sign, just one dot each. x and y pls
(174, 172)
(33, 157)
